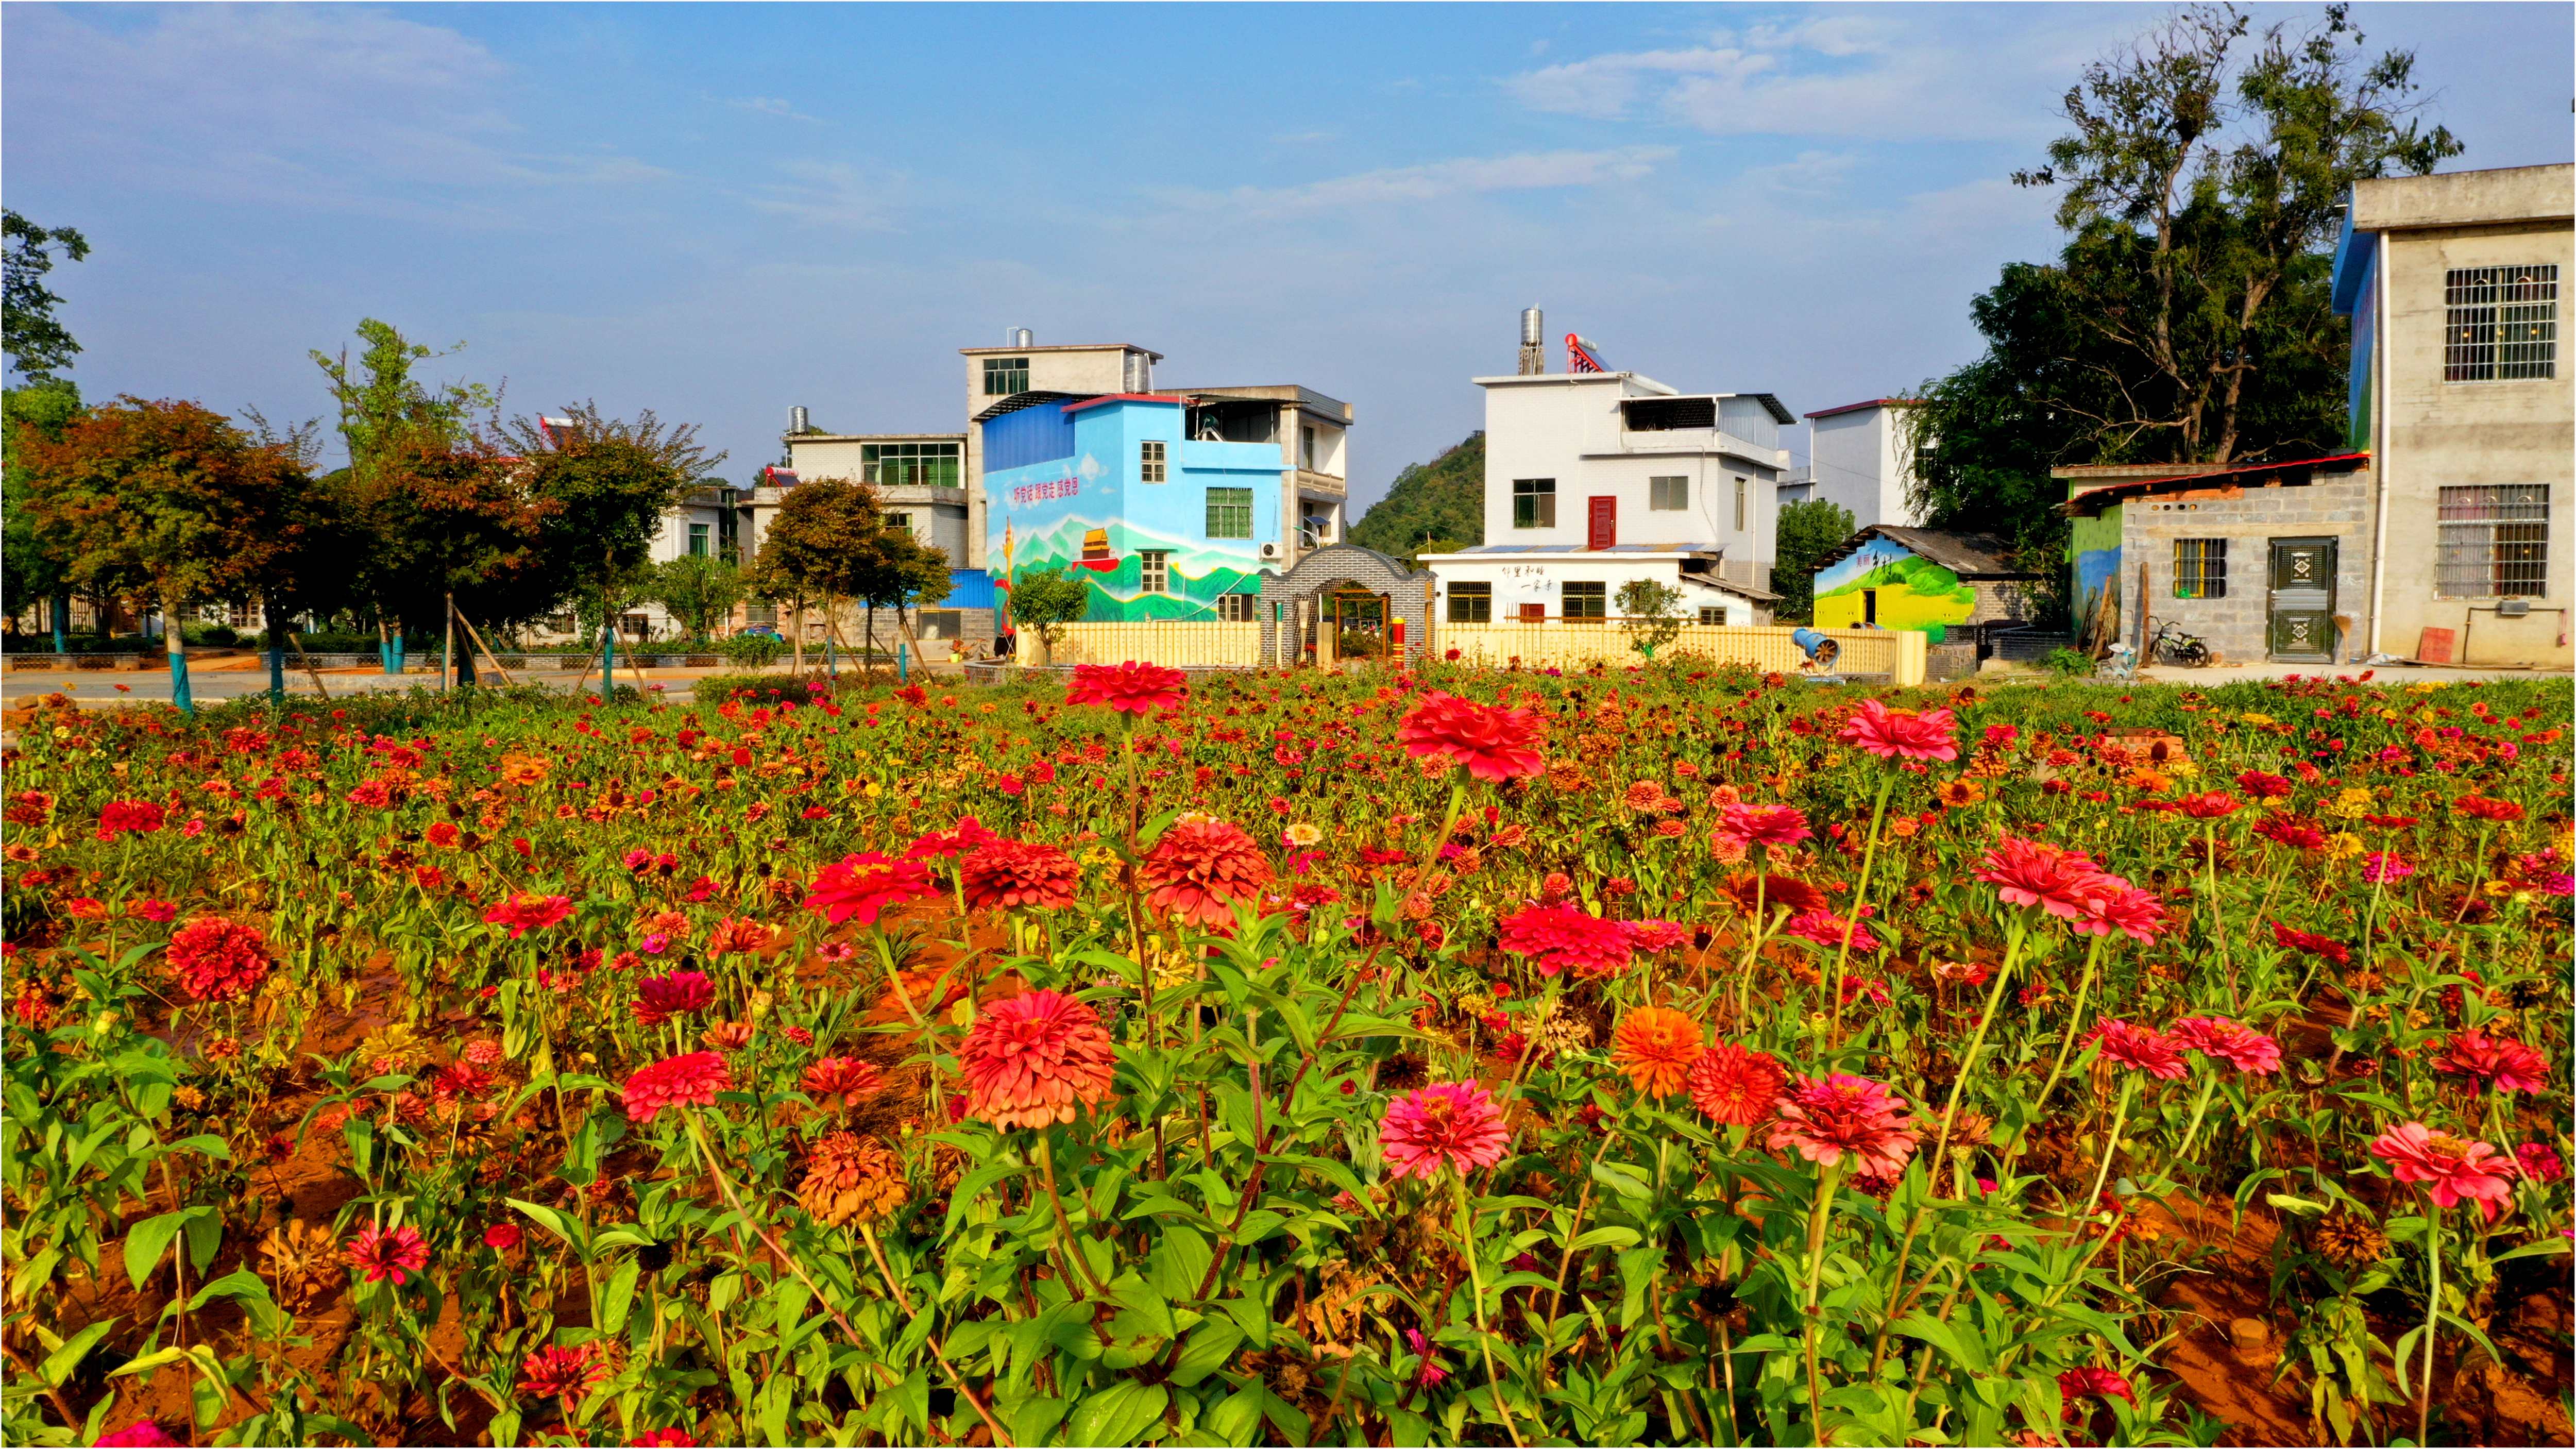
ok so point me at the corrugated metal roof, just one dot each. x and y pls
(1979, 555)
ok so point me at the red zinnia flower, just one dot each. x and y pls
(843, 1077)
(2112, 904)
(1773, 892)
(2268, 787)
(1735, 1085)
(502, 1237)
(1828, 929)
(970, 833)
(2028, 873)
(140, 816)
(1653, 936)
(2238, 1045)
(521, 913)
(1493, 743)
(155, 911)
(2140, 1049)
(2093, 1383)
(1764, 824)
(565, 1373)
(2540, 1162)
(1012, 873)
(1128, 688)
(2450, 1168)
(666, 1439)
(691, 1080)
(1902, 734)
(217, 958)
(1558, 938)
(2478, 807)
(1825, 1118)
(2332, 950)
(864, 884)
(2208, 805)
(1201, 866)
(2297, 834)
(2496, 1063)
(1032, 1060)
(379, 1254)
(659, 998)
(1448, 1124)
(734, 935)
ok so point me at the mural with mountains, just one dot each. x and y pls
(1431, 507)
(1103, 554)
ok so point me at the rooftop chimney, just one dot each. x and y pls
(1533, 342)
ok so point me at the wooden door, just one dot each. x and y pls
(1604, 523)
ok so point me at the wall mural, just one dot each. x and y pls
(2096, 546)
(1066, 513)
(1913, 592)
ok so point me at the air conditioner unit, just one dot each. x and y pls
(1270, 550)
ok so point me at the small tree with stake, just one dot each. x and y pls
(1653, 614)
(1045, 600)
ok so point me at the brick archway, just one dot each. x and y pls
(1289, 601)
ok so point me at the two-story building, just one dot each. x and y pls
(1596, 479)
(1861, 456)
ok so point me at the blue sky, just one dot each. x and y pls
(718, 212)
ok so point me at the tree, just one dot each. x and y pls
(36, 343)
(2200, 197)
(698, 589)
(1048, 599)
(1651, 613)
(1808, 530)
(39, 568)
(165, 501)
(819, 546)
(1431, 506)
(609, 482)
(383, 408)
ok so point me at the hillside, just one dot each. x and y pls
(1442, 500)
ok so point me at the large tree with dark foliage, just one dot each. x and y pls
(2187, 319)
(35, 341)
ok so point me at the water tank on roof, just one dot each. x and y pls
(1019, 337)
(797, 422)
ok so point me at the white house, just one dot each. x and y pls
(1858, 455)
(1594, 479)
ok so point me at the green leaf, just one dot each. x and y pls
(1207, 1349)
(1614, 1237)
(618, 1298)
(149, 1241)
(57, 1368)
(1179, 1263)
(1964, 1348)
(1119, 1415)
(551, 1220)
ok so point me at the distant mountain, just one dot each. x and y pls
(1441, 502)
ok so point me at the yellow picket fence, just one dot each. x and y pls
(1180, 644)
(1556, 644)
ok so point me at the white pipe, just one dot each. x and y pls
(2381, 340)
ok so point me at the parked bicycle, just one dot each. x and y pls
(2170, 645)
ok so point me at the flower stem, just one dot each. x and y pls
(1860, 898)
(1817, 1219)
(2432, 1318)
(2065, 1049)
(1476, 1285)
(1976, 1046)
(1064, 1225)
(2111, 1143)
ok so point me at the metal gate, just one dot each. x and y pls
(2302, 600)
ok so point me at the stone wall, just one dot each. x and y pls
(1283, 596)
(2336, 506)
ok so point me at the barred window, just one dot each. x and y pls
(1149, 463)
(1234, 608)
(1004, 376)
(1229, 513)
(1533, 503)
(1667, 495)
(2495, 542)
(1471, 603)
(1587, 600)
(2501, 323)
(2200, 568)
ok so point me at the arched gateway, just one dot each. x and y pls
(1344, 601)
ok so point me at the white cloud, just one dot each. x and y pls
(771, 106)
(1431, 181)
(832, 194)
(1605, 86)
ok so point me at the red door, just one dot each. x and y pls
(1605, 523)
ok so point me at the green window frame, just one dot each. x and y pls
(1005, 376)
(1229, 513)
(936, 465)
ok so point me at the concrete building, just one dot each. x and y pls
(1597, 478)
(920, 478)
(1859, 456)
(2453, 283)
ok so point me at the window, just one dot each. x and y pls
(2495, 542)
(1713, 614)
(754, 616)
(2500, 323)
(635, 626)
(700, 539)
(1533, 503)
(1154, 571)
(1229, 512)
(1667, 495)
(1471, 603)
(1149, 464)
(1235, 608)
(2200, 568)
(1740, 514)
(1004, 376)
(899, 522)
(933, 464)
(1587, 600)
(1306, 442)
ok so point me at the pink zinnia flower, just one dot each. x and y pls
(690, 1080)
(1652, 936)
(1491, 742)
(2386, 867)
(2112, 904)
(2450, 1168)
(659, 998)
(864, 884)
(2540, 1162)
(1451, 1124)
(2140, 1049)
(2027, 873)
(1829, 1118)
(1128, 688)
(2496, 1063)
(1764, 824)
(523, 913)
(1558, 938)
(970, 833)
(1902, 734)
(1033, 1060)
(2240, 1046)
(1827, 929)
(141, 1434)
(379, 1254)
(1429, 1376)
(565, 1373)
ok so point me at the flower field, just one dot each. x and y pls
(1453, 1057)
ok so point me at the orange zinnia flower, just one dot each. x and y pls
(1655, 1046)
(1201, 867)
(1032, 1060)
